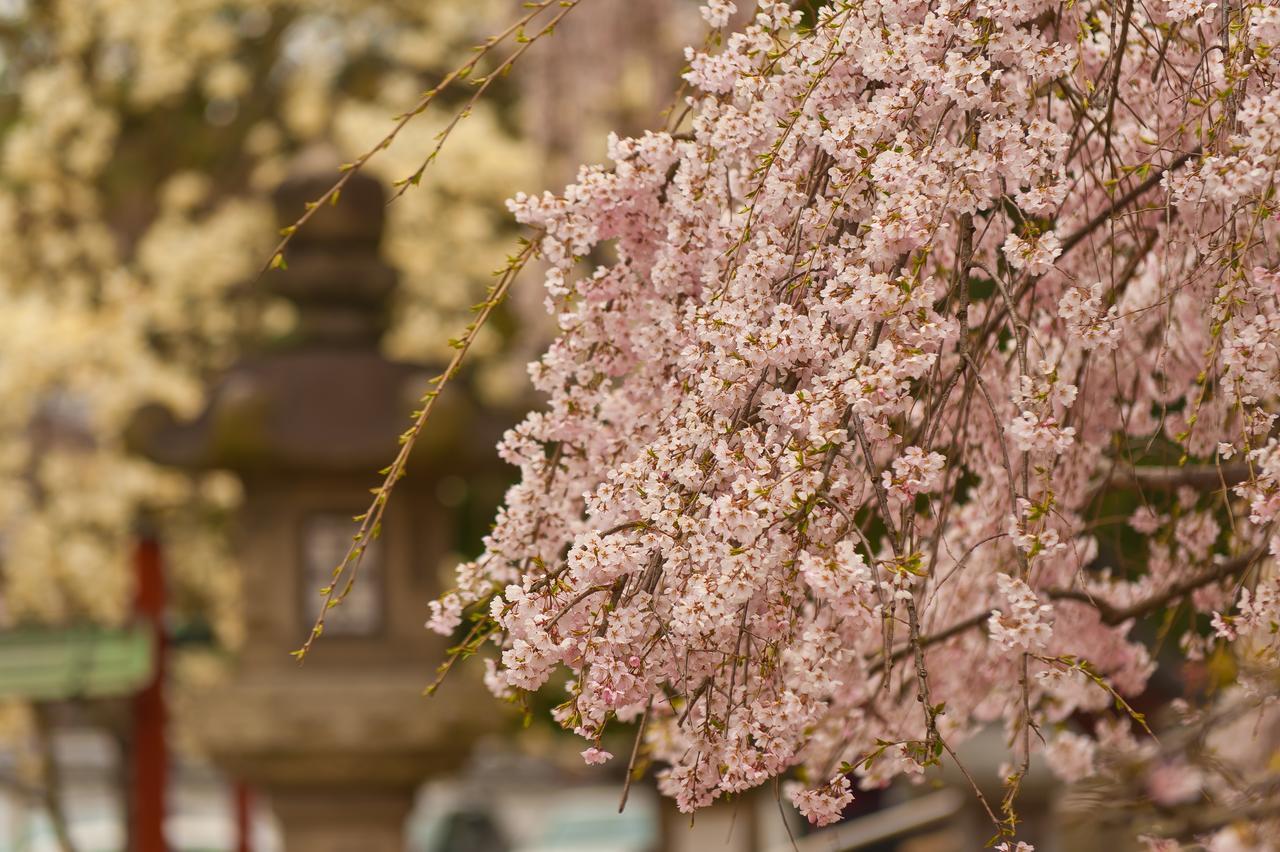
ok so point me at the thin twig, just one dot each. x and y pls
(371, 520)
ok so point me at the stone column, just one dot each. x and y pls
(341, 744)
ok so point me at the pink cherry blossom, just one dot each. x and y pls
(595, 756)
(824, 805)
(849, 368)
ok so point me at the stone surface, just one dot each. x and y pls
(341, 819)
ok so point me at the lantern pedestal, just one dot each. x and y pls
(338, 755)
(342, 820)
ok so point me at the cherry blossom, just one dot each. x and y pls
(1028, 624)
(596, 756)
(856, 360)
(824, 805)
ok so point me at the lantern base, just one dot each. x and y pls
(342, 819)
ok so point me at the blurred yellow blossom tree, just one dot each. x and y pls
(139, 140)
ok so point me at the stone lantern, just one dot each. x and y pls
(340, 744)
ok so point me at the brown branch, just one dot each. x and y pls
(1076, 236)
(1201, 477)
(577, 599)
(1118, 615)
(1111, 615)
(934, 638)
(1267, 809)
(635, 751)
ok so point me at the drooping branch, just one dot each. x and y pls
(345, 573)
(515, 31)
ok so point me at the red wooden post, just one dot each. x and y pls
(244, 822)
(150, 757)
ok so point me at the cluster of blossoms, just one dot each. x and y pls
(913, 473)
(1028, 625)
(920, 284)
(825, 804)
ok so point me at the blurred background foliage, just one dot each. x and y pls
(140, 141)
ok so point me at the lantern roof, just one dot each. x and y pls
(326, 400)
